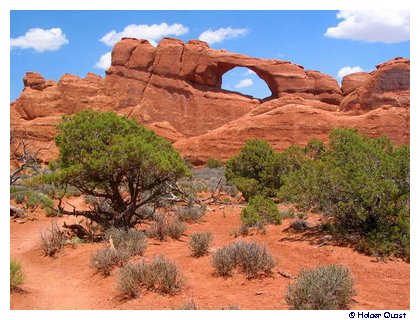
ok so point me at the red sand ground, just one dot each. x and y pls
(68, 282)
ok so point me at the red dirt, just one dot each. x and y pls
(68, 282)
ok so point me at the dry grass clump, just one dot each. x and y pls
(299, 225)
(16, 274)
(323, 288)
(124, 244)
(199, 243)
(52, 240)
(251, 258)
(160, 275)
(191, 213)
(165, 227)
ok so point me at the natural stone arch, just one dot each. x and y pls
(224, 67)
(257, 89)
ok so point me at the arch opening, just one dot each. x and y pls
(245, 81)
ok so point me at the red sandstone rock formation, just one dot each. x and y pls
(175, 89)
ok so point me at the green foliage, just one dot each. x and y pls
(159, 275)
(199, 243)
(258, 169)
(251, 160)
(260, 210)
(31, 196)
(364, 184)
(250, 257)
(214, 163)
(323, 288)
(248, 186)
(122, 164)
(16, 274)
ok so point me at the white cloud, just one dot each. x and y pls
(40, 40)
(347, 70)
(372, 26)
(244, 83)
(248, 72)
(104, 61)
(216, 36)
(153, 32)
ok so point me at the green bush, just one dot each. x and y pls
(123, 165)
(260, 210)
(160, 275)
(258, 169)
(16, 274)
(364, 184)
(214, 163)
(199, 243)
(249, 187)
(323, 288)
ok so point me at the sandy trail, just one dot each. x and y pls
(68, 282)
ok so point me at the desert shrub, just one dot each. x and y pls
(199, 243)
(31, 198)
(16, 274)
(52, 240)
(159, 275)
(176, 229)
(223, 260)
(126, 243)
(231, 307)
(364, 184)
(299, 225)
(258, 169)
(191, 213)
(278, 165)
(116, 160)
(214, 163)
(242, 231)
(260, 210)
(190, 304)
(251, 258)
(251, 160)
(132, 241)
(159, 229)
(323, 288)
(287, 214)
(130, 278)
(104, 260)
(249, 187)
(165, 227)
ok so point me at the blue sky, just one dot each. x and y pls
(328, 41)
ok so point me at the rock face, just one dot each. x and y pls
(175, 89)
(388, 85)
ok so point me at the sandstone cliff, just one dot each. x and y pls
(175, 89)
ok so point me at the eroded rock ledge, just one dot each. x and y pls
(175, 89)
